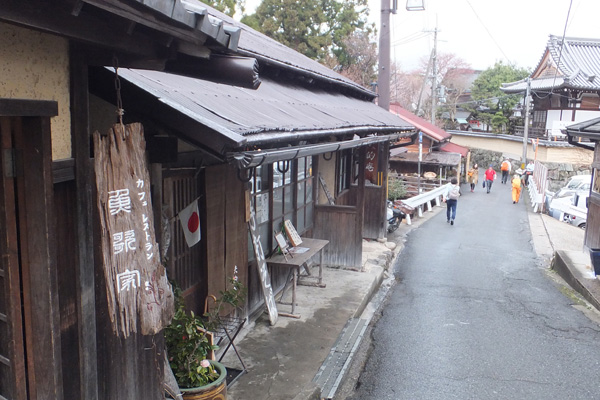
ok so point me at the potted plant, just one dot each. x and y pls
(189, 344)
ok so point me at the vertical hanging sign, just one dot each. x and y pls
(138, 292)
(371, 164)
(263, 272)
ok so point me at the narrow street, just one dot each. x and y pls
(475, 316)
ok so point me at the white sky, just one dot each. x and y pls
(484, 31)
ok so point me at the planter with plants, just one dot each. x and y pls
(190, 347)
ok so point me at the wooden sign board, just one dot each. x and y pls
(291, 233)
(263, 272)
(372, 163)
(136, 282)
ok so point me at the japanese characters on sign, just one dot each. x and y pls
(263, 272)
(371, 164)
(138, 292)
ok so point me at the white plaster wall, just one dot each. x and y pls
(514, 149)
(35, 66)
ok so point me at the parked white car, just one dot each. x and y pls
(577, 215)
(575, 184)
(571, 209)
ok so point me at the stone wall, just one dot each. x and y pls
(558, 173)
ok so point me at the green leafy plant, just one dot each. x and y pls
(396, 187)
(188, 340)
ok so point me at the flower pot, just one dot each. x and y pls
(216, 390)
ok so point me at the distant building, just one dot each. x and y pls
(565, 86)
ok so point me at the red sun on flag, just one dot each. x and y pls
(190, 223)
(193, 222)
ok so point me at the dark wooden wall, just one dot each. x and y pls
(592, 232)
(66, 261)
(375, 212)
(338, 225)
(226, 227)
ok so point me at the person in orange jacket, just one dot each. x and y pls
(516, 188)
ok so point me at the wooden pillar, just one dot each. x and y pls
(86, 311)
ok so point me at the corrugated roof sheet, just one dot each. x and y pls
(455, 148)
(437, 134)
(267, 112)
(579, 66)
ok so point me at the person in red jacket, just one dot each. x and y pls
(490, 175)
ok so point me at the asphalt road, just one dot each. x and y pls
(475, 316)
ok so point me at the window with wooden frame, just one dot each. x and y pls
(343, 176)
(282, 191)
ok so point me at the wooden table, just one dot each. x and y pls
(299, 260)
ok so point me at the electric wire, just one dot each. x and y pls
(562, 45)
(489, 33)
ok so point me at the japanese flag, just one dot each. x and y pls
(190, 223)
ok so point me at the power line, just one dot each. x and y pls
(489, 33)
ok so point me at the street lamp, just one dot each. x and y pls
(383, 76)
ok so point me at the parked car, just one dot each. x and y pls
(573, 206)
(575, 184)
(577, 215)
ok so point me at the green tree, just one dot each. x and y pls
(316, 28)
(228, 7)
(493, 106)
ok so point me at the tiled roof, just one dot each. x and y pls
(578, 68)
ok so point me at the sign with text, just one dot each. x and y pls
(371, 163)
(263, 272)
(137, 288)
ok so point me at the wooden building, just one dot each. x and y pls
(565, 86)
(578, 135)
(439, 154)
(231, 147)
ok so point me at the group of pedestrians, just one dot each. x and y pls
(453, 191)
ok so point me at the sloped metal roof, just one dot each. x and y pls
(434, 132)
(435, 157)
(579, 66)
(272, 113)
(587, 129)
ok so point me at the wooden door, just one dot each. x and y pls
(30, 363)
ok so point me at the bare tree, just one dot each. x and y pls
(412, 90)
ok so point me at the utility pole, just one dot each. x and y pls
(526, 127)
(383, 76)
(434, 95)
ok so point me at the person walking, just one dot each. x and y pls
(516, 188)
(505, 168)
(490, 175)
(451, 198)
(473, 176)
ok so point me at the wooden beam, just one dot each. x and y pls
(86, 312)
(55, 18)
(38, 260)
(28, 108)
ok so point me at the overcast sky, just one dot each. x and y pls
(485, 31)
